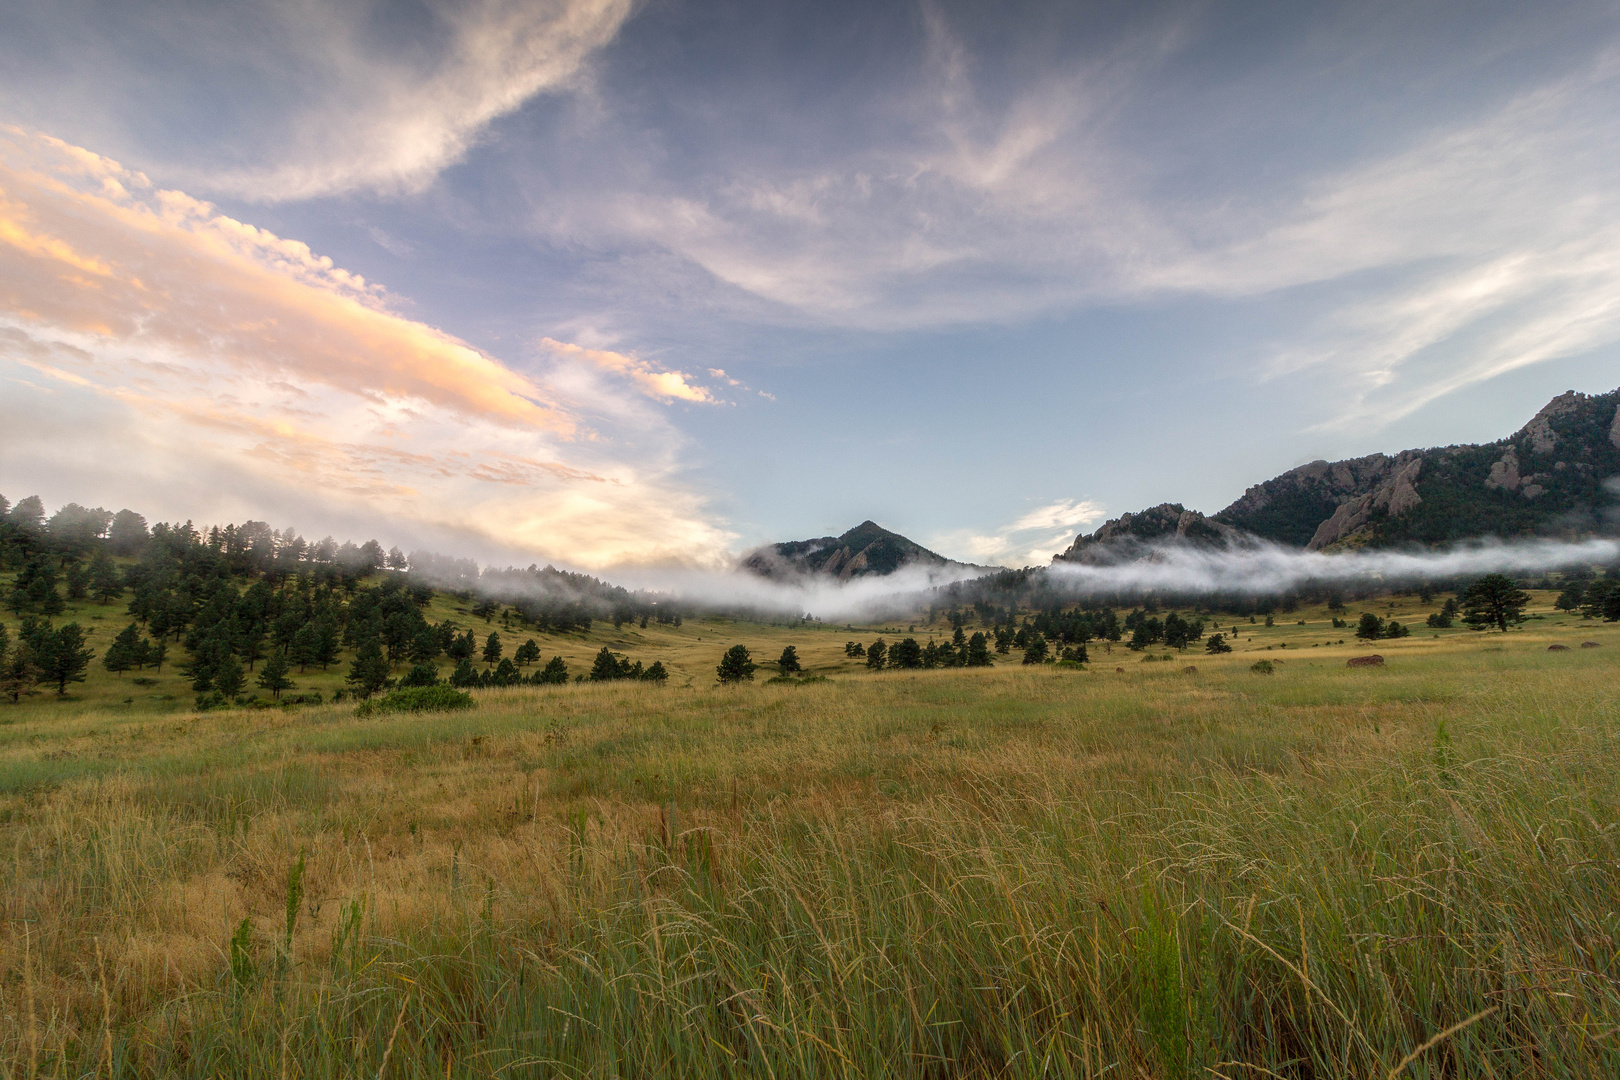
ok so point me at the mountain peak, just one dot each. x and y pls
(866, 550)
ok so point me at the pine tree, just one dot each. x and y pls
(606, 667)
(18, 672)
(62, 658)
(527, 653)
(736, 665)
(656, 672)
(876, 654)
(789, 662)
(327, 645)
(105, 582)
(368, 673)
(465, 674)
(304, 648)
(905, 653)
(274, 676)
(228, 676)
(125, 652)
(1494, 600)
(1035, 649)
(492, 649)
(554, 673)
(978, 650)
(1217, 644)
(1370, 627)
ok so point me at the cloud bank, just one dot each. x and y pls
(152, 335)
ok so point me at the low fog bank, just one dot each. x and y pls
(1187, 569)
(1168, 570)
(826, 598)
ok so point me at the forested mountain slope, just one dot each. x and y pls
(1558, 476)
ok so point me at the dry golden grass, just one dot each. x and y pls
(1014, 871)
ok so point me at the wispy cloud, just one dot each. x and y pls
(645, 377)
(270, 363)
(1480, 243)
(1030, 540)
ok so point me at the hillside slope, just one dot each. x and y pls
(866, 550)
(1558, 476)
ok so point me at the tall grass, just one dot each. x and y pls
(1010, 874)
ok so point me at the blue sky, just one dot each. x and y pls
(670, 280)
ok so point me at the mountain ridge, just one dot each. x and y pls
(1557, 476)
(866, 550)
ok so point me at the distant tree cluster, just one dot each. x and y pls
(906, 654)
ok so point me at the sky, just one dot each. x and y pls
(625, 285)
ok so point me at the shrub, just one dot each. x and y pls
(1262, 667)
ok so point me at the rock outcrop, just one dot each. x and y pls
(1557, 475)
(1135, 536)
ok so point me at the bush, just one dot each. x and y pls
(420, 699)
(420, 675)
(1262, 667)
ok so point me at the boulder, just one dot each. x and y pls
(1558, 648)
(1190, 669)
(1365, 661)
(1591, 645)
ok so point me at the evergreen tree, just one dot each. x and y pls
(492, 649)
(736, 665)
(906, 653)
(606, 667)
(78, 582)
(788, 664)
(127, 534)
(876, 654)
(655, 673)
(506, 674)
(527, 653)
(465, 674)
(1035, 649)
(368, 672)
(462, 647)
(421, 675)
(18, 671)
(1370, 628)
(425, 645)
(304, 647)
(1570, 598)
(228, 677)
(978, 650)
(1494, 600)
(1217, 644)
(126, 651)
(854, 650)
(274, 677)
(958, 636)
(554, 673)
(326, 647)
(61, 656)
(156, 653)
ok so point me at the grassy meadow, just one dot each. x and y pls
(1131, 870)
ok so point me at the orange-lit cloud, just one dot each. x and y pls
(247, 350)
(655, 383)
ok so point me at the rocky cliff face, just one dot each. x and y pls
(867, 549)
(1133, 536)
(1559, 475)
(1552, 477)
